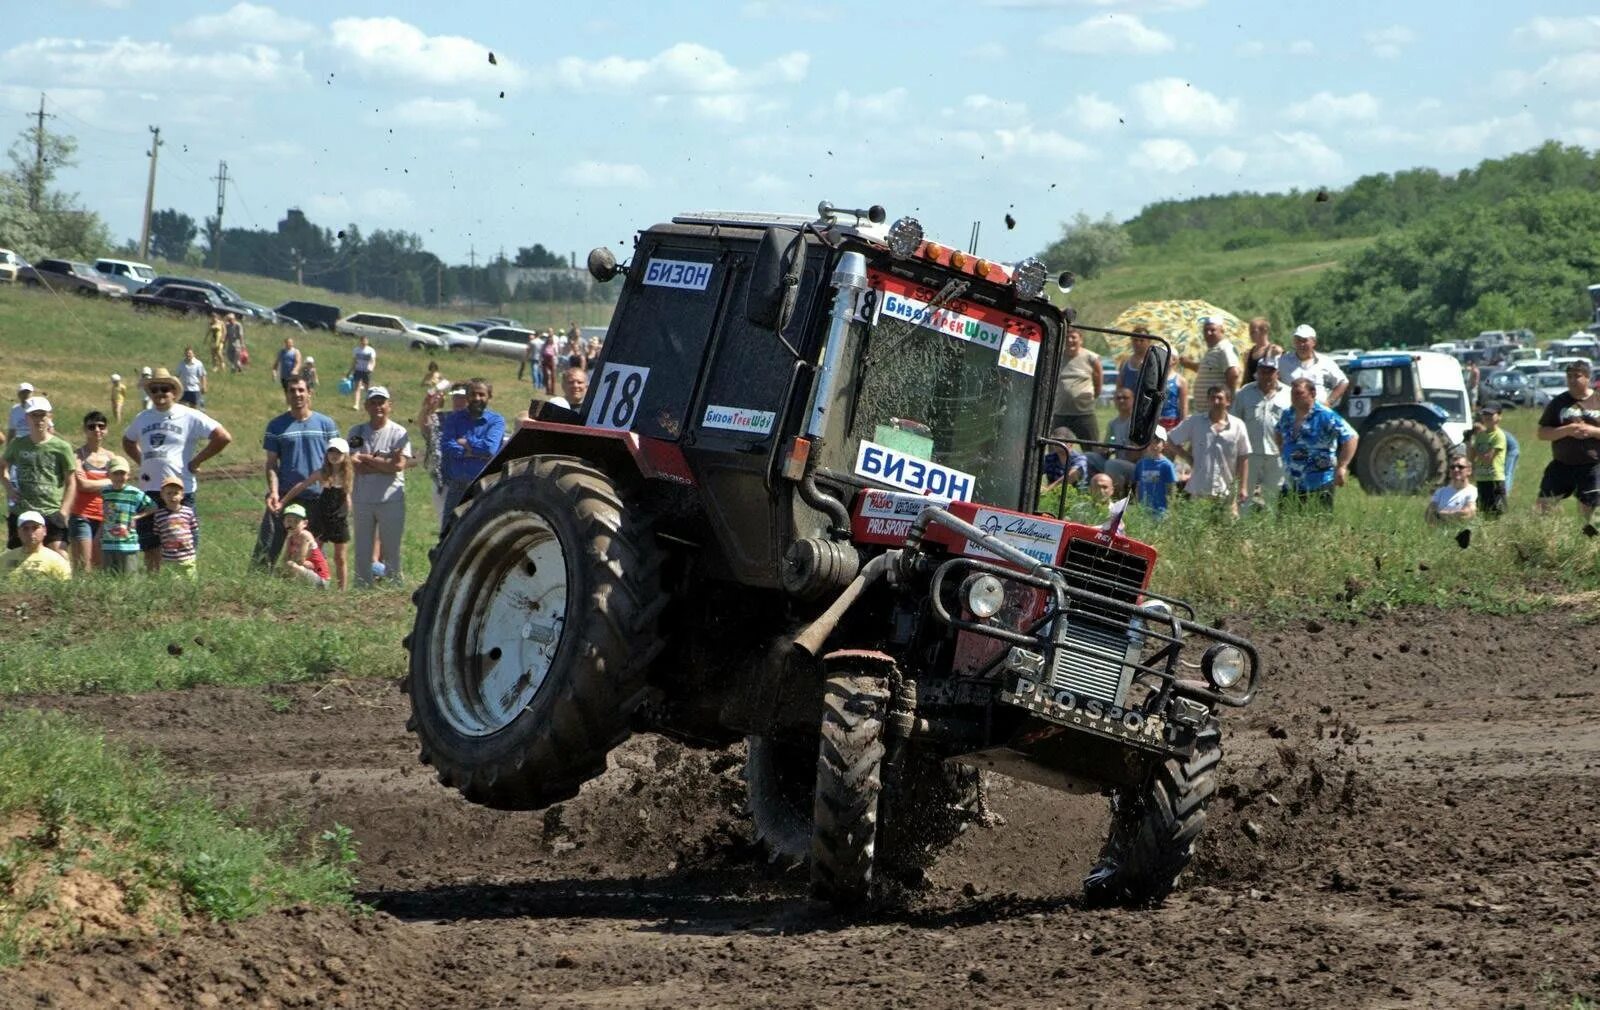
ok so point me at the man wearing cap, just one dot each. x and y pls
(43, 465)
(192, 374)
(295, 441)
(1077, 389)
(1316, 445)
(1219, 366)
(1260, 405)
(381, 451)
(468, 439)
(29, 558)
(1305, 363)
(17, 423)
(169, 440)
(1571, 422)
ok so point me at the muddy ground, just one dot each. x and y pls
(1409, 818)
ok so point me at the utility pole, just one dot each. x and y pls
(36, 184)
(472, 277)
(221, 179)
(150, 193)
(438, 282)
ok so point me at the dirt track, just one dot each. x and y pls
(1408, 818)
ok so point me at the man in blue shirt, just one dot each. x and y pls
(468, 439)
(296, 441)
(1317, 446)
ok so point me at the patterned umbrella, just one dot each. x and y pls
(1179, 322)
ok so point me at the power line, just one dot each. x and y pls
(36, 183)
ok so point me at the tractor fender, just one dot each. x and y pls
(625, 455)
(881, 664)
(1428, 415)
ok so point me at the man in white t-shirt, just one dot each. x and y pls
(1259, 405)
(1305, 363)
(168, 440)
(192, 375)
(381, 451)
(362, 364)
(1218, 450)
(1456, 503)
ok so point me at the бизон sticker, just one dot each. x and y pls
(758, 422)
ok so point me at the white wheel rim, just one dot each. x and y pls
(502, 618)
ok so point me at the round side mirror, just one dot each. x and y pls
(876, 214)
(602, 264)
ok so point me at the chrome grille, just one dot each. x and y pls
(1107, 571)
(1093, 663)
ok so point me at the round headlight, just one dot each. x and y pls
(1223, 665)
(985, 596)
(904, 236)
(1029, 277)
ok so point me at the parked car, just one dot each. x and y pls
(10, 265)
(184, 298)
(69, 275)
(505, 342)
(231, 300)
(311, 315)
(1547, 386)
(1520, 354)
(382, 328)
(143, 273)
(1508, 386)
(454, 340)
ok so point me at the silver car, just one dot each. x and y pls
(380, 327)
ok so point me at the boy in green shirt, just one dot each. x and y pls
(123, 503)
(1488, 457)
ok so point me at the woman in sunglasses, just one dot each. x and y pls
(1456, 503)
(83, 523)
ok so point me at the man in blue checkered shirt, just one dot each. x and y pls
(1317, 446)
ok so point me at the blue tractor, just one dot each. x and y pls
(1412, 412)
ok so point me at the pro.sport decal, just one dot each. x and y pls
(896, 469)
(685, 275)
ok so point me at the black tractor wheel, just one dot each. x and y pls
(844, 830)
(534, 633)
(928, 806)
(1153, 829)
(1400, 456)
(780, 789)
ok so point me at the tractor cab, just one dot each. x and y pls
(1411, 411)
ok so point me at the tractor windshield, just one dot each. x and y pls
(938, 407)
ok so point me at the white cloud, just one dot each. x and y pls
(1307, 154)
(605, 175)
(1386, 43)
(1581, 32)
(1170, 103)
(1227, 159)
(381, 203)
(765, 182)
(1145, 5)
(130, 63)
(1164, 154)
(1589, 109)
(1302, 47)
(389, 47)
(1578, 72)
(987, 110)
(1123, 34)
(1093, 112)
(246, 21)
(883, 103)
(438, 114)
(1326, 108)
(685, 68)
(1256, 48)
(1024, 141)
(732, 108)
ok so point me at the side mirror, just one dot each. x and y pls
(775, 279)
(1149, 389)
(603, 264)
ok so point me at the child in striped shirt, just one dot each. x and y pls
(175, 523)
(122, 505)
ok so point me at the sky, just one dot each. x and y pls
(596, 120)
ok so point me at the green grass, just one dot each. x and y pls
(1262, 280)
(85, 821)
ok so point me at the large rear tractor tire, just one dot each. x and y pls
(780, 789)
(844, 830)
(1153, 829)
(1401, 456)
(534, 633)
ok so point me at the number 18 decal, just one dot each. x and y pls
(617, 396)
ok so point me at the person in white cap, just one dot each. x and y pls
(381, 451)
(44, 466)
(1259, 405)
(119, 396)
(30, 559)
(17, 423)
(144, 387)
(1305, 363)
(1154, 476)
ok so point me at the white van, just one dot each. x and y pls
(142, 272)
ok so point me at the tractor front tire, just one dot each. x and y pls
(780, 790)
(1153, 829)
(1401, 456)
(534, 633)
(844, 829)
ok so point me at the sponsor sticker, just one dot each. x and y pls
(908, 473)
(1020, 353)
(943, 319)
(892, 505)
(757, 422)
(1037, 537)
(685, 275)
(899, 529)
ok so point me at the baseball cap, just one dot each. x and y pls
(1488, 407)
(115, 377)
(117, 464)
(35, 405)
(145, 371)
(310, 360)
(30, 516)
(1267, 362)
(340, 444)
(296, 509)
(458, 391)
(1305, 331)
(172, 480)
(382, 391)
(1160, 434)
(24, 387)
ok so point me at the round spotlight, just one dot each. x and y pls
(1029, 278)
(1223, 665)
(904, 236)
(985, 596)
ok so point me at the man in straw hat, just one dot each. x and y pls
(169, 440)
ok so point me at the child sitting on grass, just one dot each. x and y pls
(175, 525)
(337, 477)
(302, 558)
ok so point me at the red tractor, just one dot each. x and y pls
(798, 506)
